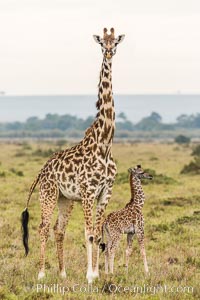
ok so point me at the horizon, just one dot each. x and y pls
(169, 106)
(178, 93)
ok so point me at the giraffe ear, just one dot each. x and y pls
(97, 39)
(120, 38)
(131, 170)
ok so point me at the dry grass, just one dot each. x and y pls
(171, 227)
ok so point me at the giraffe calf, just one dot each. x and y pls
(128, 220)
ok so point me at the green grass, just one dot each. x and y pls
(172, 222)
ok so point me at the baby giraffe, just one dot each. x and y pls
(128, 220)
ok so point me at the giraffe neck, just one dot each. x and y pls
(137, 194)
(105, 105)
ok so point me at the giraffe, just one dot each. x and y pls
(128, 220)
(83, 173)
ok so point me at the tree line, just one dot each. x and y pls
(58, 125)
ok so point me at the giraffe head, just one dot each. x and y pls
(139, 172)
(108, 42)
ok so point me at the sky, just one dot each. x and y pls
(46, 46)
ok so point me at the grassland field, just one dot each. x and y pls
(172, 226)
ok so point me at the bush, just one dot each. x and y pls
(153, 158)
(161, 227)
(158, 178)
(196, 151)
(122, 178)
(16, 172)
(192, 167)
(2, 174)
(44, 153)
(26, 146)
(20, 153)
(182, 139)
(61, 143)
(194, 218)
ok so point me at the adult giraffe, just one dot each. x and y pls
(84, 173)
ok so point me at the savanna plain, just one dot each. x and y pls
(172, 223)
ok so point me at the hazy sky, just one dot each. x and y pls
(46, 46)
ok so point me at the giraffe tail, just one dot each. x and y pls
(25, 218)
(102, 245)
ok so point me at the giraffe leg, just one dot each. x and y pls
(87, 203)
(101, 206)
(96, 259)
(140, 237)
(108, 254)
(107, 246)
(129, 248)
(65, 207)
(106, 259)
(111, 254)
(111, 261)
(113, 241)
(48, 202)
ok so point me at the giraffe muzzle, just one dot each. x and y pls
(108, 55)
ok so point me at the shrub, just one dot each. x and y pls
(61, 143)
(194, 218)
(158, 178)
(182, 139)
(2, 174)
(196, 151)
(44, 153)
(161, 227)
(192, 167)
(181, 201)
(26, 146)
(122, 178)
(20, 153)
(16, 172)
(153, 158)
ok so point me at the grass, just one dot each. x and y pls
(172, 220)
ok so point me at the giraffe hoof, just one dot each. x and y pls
(126, 268)
(41, 275)
(147, 274)
(95, 275)
(63, 274)
(89, 277)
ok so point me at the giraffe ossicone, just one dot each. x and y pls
(85, 173)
